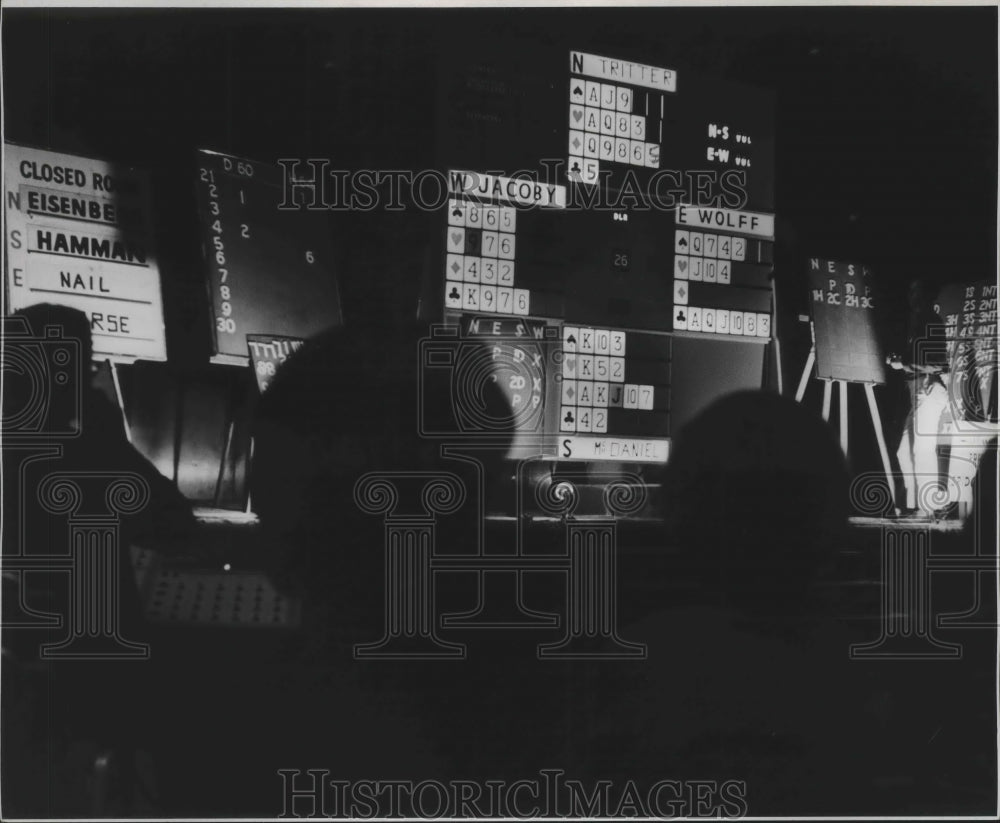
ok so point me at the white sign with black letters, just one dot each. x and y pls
(79, 234)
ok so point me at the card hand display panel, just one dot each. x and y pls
(843, 312)
(270, 270)
(80, 234)
(614, 395)
(507, 255)
(606, 122)
(615, 251)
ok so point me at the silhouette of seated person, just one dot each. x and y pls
(344, 405)
(748, 675)
(99, 446)
(100, 700)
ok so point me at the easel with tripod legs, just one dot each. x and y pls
(842, 396)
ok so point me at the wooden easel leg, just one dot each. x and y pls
(223, 461)
(121, 399)
(880, 437)
(827, 387)
(842, 391)
(249, 476)
(777, 364)
(801, 390)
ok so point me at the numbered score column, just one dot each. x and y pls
(270, 263)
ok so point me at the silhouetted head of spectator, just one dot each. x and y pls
(757, 490)
(49, 362)
(344, 405)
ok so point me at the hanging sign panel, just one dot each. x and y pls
(79, 234)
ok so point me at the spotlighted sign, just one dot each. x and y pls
(79, 234)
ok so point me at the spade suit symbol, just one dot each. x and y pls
(571, 340)
(578, 91)
(682, 242)
(457, 213)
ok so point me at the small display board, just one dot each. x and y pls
(268, 353)
(79, 234)
(270, 268)
(843, 314)
(970, 315)
(614, 395)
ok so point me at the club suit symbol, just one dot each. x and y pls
(569, 417)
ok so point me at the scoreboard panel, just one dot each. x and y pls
(271, 270)
(547, 107)
(627, 202)
(843, 312)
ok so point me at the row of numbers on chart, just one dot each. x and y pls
(600, 95)
(485, 243)
(600, 395)
(593, 147)
(719, 246)
(722, 321)
(466, 214)
(487, 270)
(697, 269)
(593, 341)
(496, 299)
(577, 419)
(587, 120)
(593, 367)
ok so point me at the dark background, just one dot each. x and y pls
(886, 147)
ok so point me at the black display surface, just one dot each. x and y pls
(843, 314)
(270, 269)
